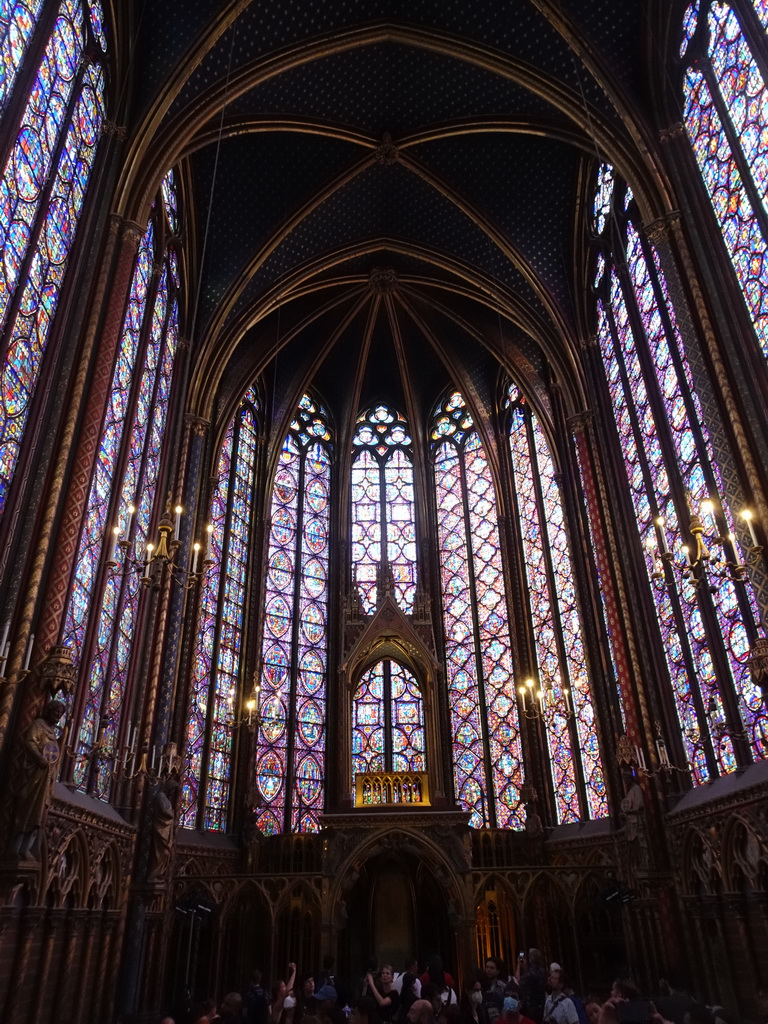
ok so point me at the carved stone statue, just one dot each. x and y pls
(633, 808)
(533, 823)
(252, 838)
(33, 797)
(163, 825)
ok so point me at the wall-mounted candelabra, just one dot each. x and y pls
(251, 711)
(710, 558)
(633, 755)
(129, 761)
(127, 560)
(535, 701)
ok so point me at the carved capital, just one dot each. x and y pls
(118, 131)
(197, 425)
(658, 230)
(580, 421)
(132, 232)
(58, 673)
(675, 131)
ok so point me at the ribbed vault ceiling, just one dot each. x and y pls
(386, 197)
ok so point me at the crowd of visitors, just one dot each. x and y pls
(533, 993)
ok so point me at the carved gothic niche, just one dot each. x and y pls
(745, 858)
(700, 867)
(68, 878)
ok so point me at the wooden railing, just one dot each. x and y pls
(392, 789)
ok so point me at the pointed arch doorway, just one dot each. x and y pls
(397, 909)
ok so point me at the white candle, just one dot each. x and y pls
(195, 553)
(177, 524)
(662, 535)
(131, 510)
(5, 635)
(687, 554)
(708, 516)
(29, 651)
(148, 553)
(4, 660)
(116, 534)
(661, 749)
(154, 757)
(747, 515)
(640, 758)
(567, 698)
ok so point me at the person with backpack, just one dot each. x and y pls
(559, 1008)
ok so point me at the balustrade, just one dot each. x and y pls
(392, 789)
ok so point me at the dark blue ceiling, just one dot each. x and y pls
(521, 191)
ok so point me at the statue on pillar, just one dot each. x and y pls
(163, 826)
(635, 833)
(33, 796)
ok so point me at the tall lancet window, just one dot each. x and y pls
(17, 24)
(218, 663)
(42, 188)
(290, 749)
(726, 110)
(487, 756)
(387, 721)
(101, 620)
(672, 475)
(562, 692)
(383, 523)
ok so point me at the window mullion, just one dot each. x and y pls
(490, 795)
(555, 611)
(734, 144)
(747, 614)
(291, 715)
(40, 216)
(671, 588)
(754, 33)
(90, 644)
(202, 796)
(384, 532)
(387, 697)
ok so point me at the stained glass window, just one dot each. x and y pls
(387, 721)
(290, 749)
(562, 692)
(217, 668)
(102, 613)
(726, 110)
(17, 23)
(383, 523)
(487, 756)
(42, 189)
(672, 474)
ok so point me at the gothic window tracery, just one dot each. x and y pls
(672, 473)
(562, 692)
(725, 112)
(102, 612)
(388, 721)
(291, 740)
(487, 753)
(218, 661)
(383, 523)
(42, 189)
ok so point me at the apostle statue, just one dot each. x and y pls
(38, 769)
